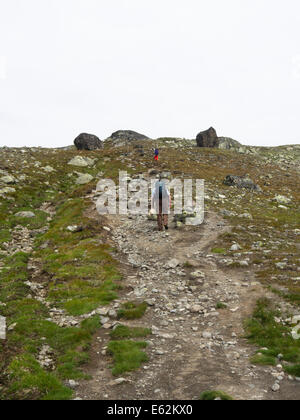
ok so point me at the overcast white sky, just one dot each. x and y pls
(160, 67)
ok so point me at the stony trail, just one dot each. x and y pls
(194, 346)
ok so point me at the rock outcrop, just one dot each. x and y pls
(227, 143)
(123, 137)
(88, 142)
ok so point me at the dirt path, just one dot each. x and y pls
(194, 346)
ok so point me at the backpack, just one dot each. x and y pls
(162, 189)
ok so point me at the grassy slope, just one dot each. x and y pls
(79, 269)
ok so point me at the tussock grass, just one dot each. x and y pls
(125, 332)
(27, 377)
(221, 305)
(218, 251)
(23, 377)
(132, 310)
(213, 395)
(265, 332)
(127, 355)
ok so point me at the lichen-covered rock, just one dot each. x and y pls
(241, 182)
(81, 161)
(227, 143)
(88, 142)
(84, 179)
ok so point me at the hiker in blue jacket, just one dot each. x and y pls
(156, 153)
(161, 204)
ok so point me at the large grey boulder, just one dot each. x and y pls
(123, 137)
(241, 182)
(208, 138)
(88, 142)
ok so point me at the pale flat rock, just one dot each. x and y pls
(82, 161)
(25, 214)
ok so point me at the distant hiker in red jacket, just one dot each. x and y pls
(156, 153)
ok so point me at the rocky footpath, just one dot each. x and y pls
(196, 308)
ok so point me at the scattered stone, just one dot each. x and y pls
(194, 221)
(281, 265)
(8, 179)
(196, 308)
(207, 335)
(281, 199)
(245, 216)
(173, 263)
(197, 275)
(235, 247)
(118, 381)
(73, 384)
(48, 169)
(74, 229)
(276, 387)
(84, 179)
(244, 263)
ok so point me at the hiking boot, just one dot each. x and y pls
(167, 227)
